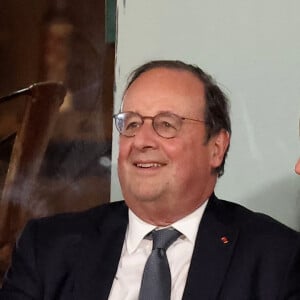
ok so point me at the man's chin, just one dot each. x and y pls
(151, 194)
(146, 197)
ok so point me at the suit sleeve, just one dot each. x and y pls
(22, 279)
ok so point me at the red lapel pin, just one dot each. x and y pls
(224, 239)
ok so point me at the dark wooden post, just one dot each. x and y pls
(42, 105)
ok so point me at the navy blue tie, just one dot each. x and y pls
(156, 281)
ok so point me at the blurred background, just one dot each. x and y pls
(62, 41)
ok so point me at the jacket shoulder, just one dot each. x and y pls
(253, 223)
(79, 222)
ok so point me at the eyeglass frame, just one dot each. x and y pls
(181, 118)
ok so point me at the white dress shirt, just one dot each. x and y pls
(136, 250)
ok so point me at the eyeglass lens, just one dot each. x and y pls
(165, 124)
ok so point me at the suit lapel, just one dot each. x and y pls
(213, 250)
(99, 253)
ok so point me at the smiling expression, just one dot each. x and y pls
(163, 180)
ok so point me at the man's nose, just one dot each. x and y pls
(146, 137)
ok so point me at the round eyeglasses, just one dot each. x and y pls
(165, 124)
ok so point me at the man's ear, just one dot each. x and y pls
(219, 144)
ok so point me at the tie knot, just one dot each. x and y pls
(163, 238)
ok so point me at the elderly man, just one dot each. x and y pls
(171, 238)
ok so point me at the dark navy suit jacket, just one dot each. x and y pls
(238, 255)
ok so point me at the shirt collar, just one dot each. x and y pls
(138, 229)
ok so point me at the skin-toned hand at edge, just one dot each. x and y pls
(297, 167)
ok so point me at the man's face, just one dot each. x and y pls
(163, 178)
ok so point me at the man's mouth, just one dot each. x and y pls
(148, 165)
